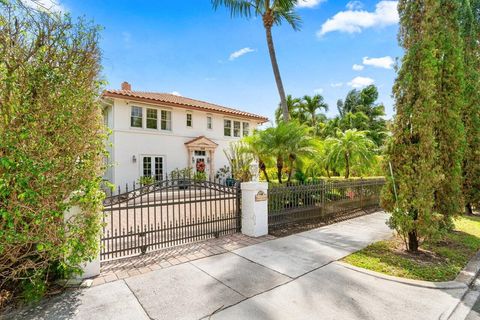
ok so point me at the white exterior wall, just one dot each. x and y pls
(129, 142)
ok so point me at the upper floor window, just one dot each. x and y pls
(209, 122)
(246, 129)
(189, 120)
(136, 117)
(227, 128)
(236, 128)
(166, 120)
(152, 118)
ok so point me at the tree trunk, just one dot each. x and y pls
(279, 169)
(469, 209)
(412, 242)
(276, 72)
(263, 167)
(347, 167)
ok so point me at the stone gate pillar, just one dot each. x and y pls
(254, 208)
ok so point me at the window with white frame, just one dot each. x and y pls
(136, 117)
(166, 120)
(189, 120)
(209, 122)
(227, 127)
(153, 166)
(152, 119)
(246, 129)
(236, 128)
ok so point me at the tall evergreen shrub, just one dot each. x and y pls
(51, 146)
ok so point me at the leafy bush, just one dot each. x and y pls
(200, 176)
(146, 180)
(51, 146)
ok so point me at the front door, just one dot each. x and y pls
(201, 163)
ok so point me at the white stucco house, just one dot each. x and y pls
(155, 133)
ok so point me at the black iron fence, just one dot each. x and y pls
(167, 213)
(321, 200)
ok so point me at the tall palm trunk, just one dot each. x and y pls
(263, 167)
(279, 168)
(276, 72)
(347, 165)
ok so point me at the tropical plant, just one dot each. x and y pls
(293, 106)
(239, 158)
(310, 107)
(146, 180)
(273, 12)
(287, 143)
(349, 148)
(52, 142)
(360, 111)
(256, 145)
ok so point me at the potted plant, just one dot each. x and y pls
(182, 177)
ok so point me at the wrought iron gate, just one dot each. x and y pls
(321, 200)
(167, 213)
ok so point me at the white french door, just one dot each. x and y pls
(153, 166)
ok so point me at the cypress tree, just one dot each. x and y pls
(470, 27)
(409, 193)
(449, 130)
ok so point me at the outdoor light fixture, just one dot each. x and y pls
(134, 159)
(208, 160)
(193, 159)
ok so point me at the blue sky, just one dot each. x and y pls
(188, 48)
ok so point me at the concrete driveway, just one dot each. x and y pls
(296, 277)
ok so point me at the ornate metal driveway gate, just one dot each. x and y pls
(167, 213)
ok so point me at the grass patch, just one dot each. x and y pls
(439, 260)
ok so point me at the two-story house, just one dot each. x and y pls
(155, 133)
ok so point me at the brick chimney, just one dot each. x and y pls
(126, 86)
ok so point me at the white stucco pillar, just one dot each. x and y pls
(92, 268)
(254, 208)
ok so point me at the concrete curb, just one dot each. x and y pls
(418, 283)
(470, 272)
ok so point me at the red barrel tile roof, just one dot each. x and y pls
(179, 101)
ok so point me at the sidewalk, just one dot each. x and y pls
(296, 277)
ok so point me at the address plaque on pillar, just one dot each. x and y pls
(261, 196)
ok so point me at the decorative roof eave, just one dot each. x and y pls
(158, 102)
(198, 141)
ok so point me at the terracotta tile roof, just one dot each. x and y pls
(179, 101)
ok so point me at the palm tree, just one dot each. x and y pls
(311, 105)
(272, 12)
(286, 143)
(350, 147)
(293, 106)
(256, 145)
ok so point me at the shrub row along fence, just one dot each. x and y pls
(321, 201)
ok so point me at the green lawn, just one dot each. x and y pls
(439, 260)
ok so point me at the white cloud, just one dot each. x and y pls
(48, 5)
(239, 53)
(358, 67)
(383, 62)
(318, 91)
(309, 3)
(354, 21)
(354, 5)
(360, 82)
(336, 84)
(176, 93)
